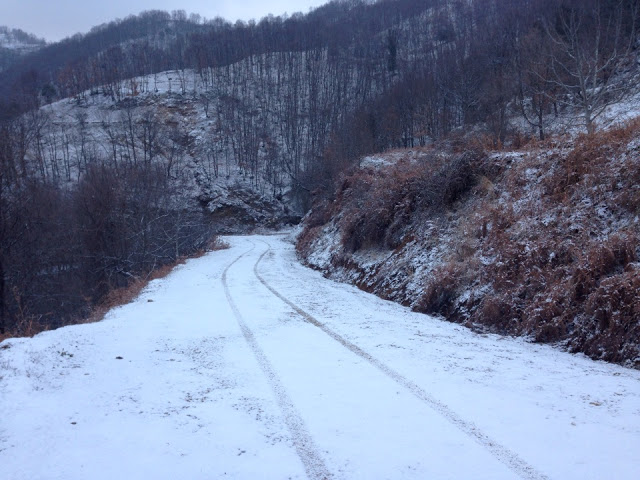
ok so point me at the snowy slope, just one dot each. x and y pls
(14, 44)
(19, 41)
(189, 123)
(243, 364)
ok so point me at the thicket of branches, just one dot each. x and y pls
(64, 248)
(355, 77)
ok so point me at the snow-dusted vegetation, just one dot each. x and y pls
(14, 43)
(428, 134)
(542, 241)
(477, 161)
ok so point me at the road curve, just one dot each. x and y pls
(244, 364)
(500, 452)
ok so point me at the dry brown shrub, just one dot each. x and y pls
(441, 291)
(464, 142)
(319, 215)
(593, 153)
(551, 330)
(588, 164)
(622, 133)
(124, 295)
(25, 323)
(28, 326)
(379, 204)
(603, 259)
(497, 311)
(214, 245)
(304, 242)
(521, 140)
(455, 178)
(611, 326)
(627, 186)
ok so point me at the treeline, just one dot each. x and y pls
(20, 36)
(57, 69)
(493, 61)
(410, 70)
(64, 248)
(14, 43)
(155, 41)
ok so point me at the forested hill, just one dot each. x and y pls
(421, 67)
(124, 148)
(14, 43)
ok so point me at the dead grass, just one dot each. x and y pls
(544, 243)
(124, 295)
(378, 205)
(214, 245)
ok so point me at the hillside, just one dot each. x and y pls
(541, 241)
(14, 44)
(21, 42)
(188, 125)
(126, 148)
(462, 177)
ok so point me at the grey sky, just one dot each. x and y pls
(56, 19)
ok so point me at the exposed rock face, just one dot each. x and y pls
(236, 209)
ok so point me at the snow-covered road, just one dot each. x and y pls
(244, 364)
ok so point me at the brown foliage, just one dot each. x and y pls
(543, 244)
(441, 292)
(379, 204)
(124, 295)
(611, 329)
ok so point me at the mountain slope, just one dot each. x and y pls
(14, 43)
(115, 144)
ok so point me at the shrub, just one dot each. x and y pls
(441, 292)
(543, 243)
(611, 323)
(379, 204)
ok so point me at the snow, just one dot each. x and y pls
(206, 159)
(302, 377)
(393, 157)
(8, 41)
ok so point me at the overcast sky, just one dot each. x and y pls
(57, 19)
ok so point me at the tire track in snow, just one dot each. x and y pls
(498, 451)
(305, 446)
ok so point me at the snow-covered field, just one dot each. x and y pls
(244, 364)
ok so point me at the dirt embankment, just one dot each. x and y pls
(542, 242)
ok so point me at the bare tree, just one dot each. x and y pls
(590, 42)
(536, 91)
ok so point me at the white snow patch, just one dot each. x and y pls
(166, 387)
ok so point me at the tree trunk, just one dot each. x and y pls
(591, 128)
(540, 122)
